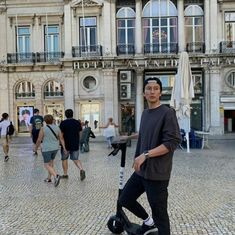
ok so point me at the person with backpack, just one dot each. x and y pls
(36, 122)
(7, 130)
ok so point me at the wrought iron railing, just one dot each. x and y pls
(156, 48)
(13, 58)
(24, 95)
(125, 49)
(87, 51)
(195, 47)
(49, 56)
(48, 94)
(227, 47)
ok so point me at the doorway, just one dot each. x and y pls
(229, 121)
(56, 110)
(91, 112)
(127, 118)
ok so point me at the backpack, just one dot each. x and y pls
(10, 129)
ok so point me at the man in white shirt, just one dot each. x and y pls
(5, 139)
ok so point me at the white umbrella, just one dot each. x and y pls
(182, 94)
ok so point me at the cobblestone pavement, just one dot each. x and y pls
(201, 192)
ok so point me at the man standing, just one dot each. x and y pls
(36, 122)
(71, 131)
(5, 138)
(158, 137)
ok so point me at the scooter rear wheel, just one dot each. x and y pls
(115, 225)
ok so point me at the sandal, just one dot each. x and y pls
(47, 180)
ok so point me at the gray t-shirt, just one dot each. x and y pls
(50, 143)
(158, 126)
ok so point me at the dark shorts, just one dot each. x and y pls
(74, 155)
(49, 156)
(35, 134)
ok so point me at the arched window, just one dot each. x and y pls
(125, 30)
(53, 89)
(194, 28)
(160, 27)
(25, 89)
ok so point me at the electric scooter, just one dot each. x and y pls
(119, 223)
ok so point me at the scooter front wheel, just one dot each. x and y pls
(115, 225)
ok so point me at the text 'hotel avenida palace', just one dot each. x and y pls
(93, 56)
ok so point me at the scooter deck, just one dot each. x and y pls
(132, 230)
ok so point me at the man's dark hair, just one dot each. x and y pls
(68, 113)
(5, 116)
(25, 111)
(152, 79)
(35, 111)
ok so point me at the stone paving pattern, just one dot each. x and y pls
(201, 192)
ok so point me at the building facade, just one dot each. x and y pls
(93, 56)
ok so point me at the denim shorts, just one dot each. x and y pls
(74, 155)
(49, 156)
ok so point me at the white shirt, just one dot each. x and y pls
(3, 126)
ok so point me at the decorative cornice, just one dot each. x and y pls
(86, 3)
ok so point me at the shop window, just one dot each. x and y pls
(53, 89)
(24, 90)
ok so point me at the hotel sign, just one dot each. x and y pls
(152, 63)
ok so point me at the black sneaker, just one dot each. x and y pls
(57, 181)
(145, 229)
(6, 159)
(64, 176)
(47, 180)
(82, 175)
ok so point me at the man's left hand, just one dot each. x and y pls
(138, 162)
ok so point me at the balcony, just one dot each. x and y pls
(24, 58)
(53, 94)
(24, 95)
(227, 47)
(49, 57)
(195, 47)
(125, 49)
(161, 48)
(87, 51)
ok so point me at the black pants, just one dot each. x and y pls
(157, 195)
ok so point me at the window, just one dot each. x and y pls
(23, 39)
(230, 28)
(51, 38)
(89, 83)
(126, 29)
(194, 17)
(160, 26)
(230, 80)
(197, 81)
(25, 89)
(88, 34)
(53, 89)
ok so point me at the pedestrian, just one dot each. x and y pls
(86, 134)
(36, 122)
(95, 124)
(50, 137)
(71, 130)
(158, 137)
(109, 131)
(5, 138)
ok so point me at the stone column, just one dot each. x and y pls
(4, 96)
(138, 27)
(181, 35)
(215, 86)
(3, 37)
(107, 28)
(207, 25)
(67, 31)
(68, 89)
(206, 111)
(110, 96)
(139, 98)
(213, 25)
(113, 27)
